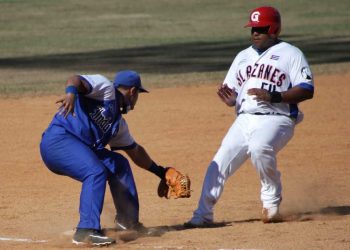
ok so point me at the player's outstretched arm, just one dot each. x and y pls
(227, 95)
(139, 156)
(142, 159)
(172, 182)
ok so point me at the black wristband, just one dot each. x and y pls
(157, 170)
(276, 97)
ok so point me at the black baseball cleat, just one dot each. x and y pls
(198, 222)
(92, 237)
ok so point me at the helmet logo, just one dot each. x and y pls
(255, 16)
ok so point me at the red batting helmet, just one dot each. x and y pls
(265, 16)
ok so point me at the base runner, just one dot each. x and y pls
(265, 83)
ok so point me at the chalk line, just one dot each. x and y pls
(22, 240)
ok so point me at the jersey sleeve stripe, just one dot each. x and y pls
(306, 86)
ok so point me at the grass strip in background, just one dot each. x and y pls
(170, 43)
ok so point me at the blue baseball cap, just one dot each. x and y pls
(128, 78)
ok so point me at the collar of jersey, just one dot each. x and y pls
(260, 51)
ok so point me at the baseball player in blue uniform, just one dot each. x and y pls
(265, 83)
(89, 118)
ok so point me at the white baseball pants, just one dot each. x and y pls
(257, 136)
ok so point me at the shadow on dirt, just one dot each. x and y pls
(246, 221)
(305, 216)
(312, 215)
(158, 231)
(341, 210)
(177, 58)
(127, 236)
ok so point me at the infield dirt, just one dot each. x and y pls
(183, 127)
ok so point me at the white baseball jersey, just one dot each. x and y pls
(279, 68)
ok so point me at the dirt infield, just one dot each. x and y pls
(183, 127)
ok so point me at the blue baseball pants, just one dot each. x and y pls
(64, 154)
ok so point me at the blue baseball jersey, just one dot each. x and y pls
(98, 120)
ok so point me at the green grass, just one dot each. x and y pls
(33, 31)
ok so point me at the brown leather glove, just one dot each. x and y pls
(175, 184)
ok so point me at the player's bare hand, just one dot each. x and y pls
(66, 104)
(260, 94)
(227, 95)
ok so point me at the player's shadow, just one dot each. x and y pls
(339, 210)
(246, 221)
(314, 215)
(157, 231)
(303, 216)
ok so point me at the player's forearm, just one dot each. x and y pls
(141, 158)
(77, 83)
(296, 95)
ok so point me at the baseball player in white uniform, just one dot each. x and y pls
(265, 83)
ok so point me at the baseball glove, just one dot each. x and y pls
(174, 184)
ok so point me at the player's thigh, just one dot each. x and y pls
(65, 154)
(234, 146)
(236, 136)
(271, 133)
